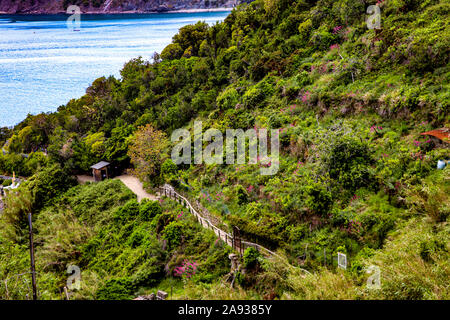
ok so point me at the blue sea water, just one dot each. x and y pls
(44, 64)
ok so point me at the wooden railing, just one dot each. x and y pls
(205, 219)
(170, 192)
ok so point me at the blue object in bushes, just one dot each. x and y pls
(441, 164)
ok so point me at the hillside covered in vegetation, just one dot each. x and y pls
(355, 174)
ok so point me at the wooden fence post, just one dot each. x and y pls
(204, 218)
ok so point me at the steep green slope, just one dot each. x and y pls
(350, 102)
(269, 55)
(122, 248)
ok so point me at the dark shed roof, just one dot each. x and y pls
(100, 165)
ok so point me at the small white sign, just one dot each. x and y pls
(342, 261)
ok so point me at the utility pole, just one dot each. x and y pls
(33, 270)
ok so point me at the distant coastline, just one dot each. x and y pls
(125, 12)
(74, 68)
(200, 10)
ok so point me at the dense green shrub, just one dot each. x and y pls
(48, 183)
(149, 274)
(318, 198)
(253, 98)
(250, 257)
(357, 263)
(241, 195)
(190, 37)
(347, 161)
(173, 233)
(116, 289)
(149, 209)
(228, 99)
(427, 248)
(129, 211)
(169, 171)
(172, 51)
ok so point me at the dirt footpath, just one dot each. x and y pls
(83, 179)
(131, 182)
(136, 186)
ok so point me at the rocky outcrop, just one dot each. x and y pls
(111, 6)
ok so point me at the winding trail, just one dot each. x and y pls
(129, 181)
(137, 187)
(202, 215)
(205, 220)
